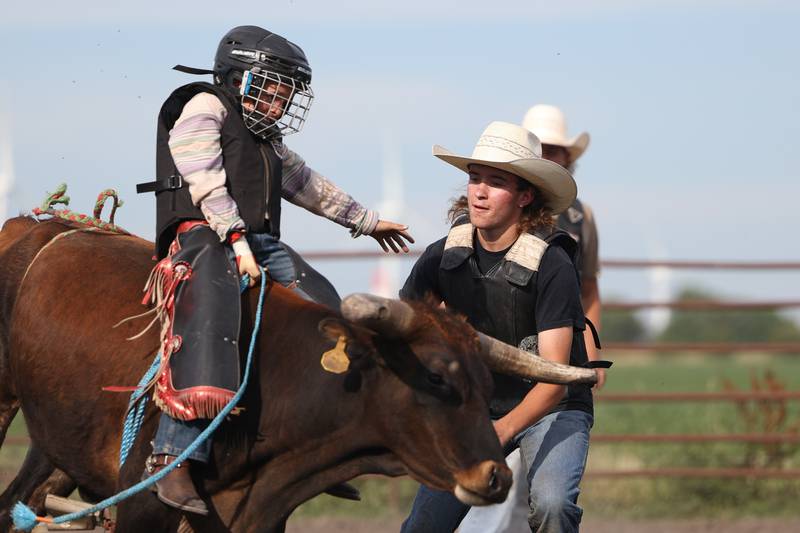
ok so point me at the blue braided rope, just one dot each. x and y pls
(25, 518)
(136, 406)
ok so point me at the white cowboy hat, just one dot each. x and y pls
(516, 150)
(548, 123)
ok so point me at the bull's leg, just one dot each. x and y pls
(58, 484)
(144, 512)
(35, 480)
(9, 404)
(8, 409)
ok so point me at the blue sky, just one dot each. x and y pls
(692, 108)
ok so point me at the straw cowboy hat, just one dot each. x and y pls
(548, 123)
(516, 150)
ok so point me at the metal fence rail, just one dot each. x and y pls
(750, 438)
(704, 347)
(333, 255)
(773, 473)
(733, 396)
(763, 396)
(703, 305)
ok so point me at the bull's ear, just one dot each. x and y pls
(348, 349)
(334, 328)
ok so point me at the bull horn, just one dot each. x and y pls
(506, 359)
(393, 318)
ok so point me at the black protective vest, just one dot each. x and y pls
(502, 303)
(252, 167)
(571, 221)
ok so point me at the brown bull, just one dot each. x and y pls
(413, 400)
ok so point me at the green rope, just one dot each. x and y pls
(59, 197)
(55, 198)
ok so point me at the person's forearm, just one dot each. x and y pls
(541, 399)
(314, 192)
(554, 345)
(222, 213)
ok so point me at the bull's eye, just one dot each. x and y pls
(435, 379)
(437, 388)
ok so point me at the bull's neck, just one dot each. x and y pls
(305, 431)
(283, 475)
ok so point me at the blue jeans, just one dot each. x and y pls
(173, 435)
(270, 253)
(554, 453)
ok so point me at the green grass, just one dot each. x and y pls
(11, 456)
(671, 497)
(644, 498)
(671, 374)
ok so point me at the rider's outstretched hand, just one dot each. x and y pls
(391, 235)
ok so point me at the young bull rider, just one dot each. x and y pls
(505, 268)
(222, 169)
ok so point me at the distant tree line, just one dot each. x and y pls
(703, 326)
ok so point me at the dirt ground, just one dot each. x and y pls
(748, 525)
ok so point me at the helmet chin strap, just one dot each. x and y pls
(192, 70)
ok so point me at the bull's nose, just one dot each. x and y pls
(483, 484)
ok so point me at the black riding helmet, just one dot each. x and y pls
(268, 75)
(245, 47)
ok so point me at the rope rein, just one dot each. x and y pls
(25, 519)
(136, 406)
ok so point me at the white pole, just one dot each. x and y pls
(6, 162)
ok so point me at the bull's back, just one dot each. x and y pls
(20, 240)
(64, 347)
(73, 293)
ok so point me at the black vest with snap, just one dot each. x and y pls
(253, 170)
(502, 302)
(571, 221)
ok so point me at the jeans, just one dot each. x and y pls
(554, 451)
(173, 435)
(270, 253)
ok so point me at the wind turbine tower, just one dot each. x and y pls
(660, 279)
(385, 278)
(6, 165)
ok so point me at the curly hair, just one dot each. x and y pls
(536, 215)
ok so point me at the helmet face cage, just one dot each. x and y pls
(274, 104)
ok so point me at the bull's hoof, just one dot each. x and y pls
(176, 489)
(345, 491)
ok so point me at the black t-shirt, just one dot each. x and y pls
(558, 300)
(488, 260)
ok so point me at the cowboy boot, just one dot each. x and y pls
(176, 489)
